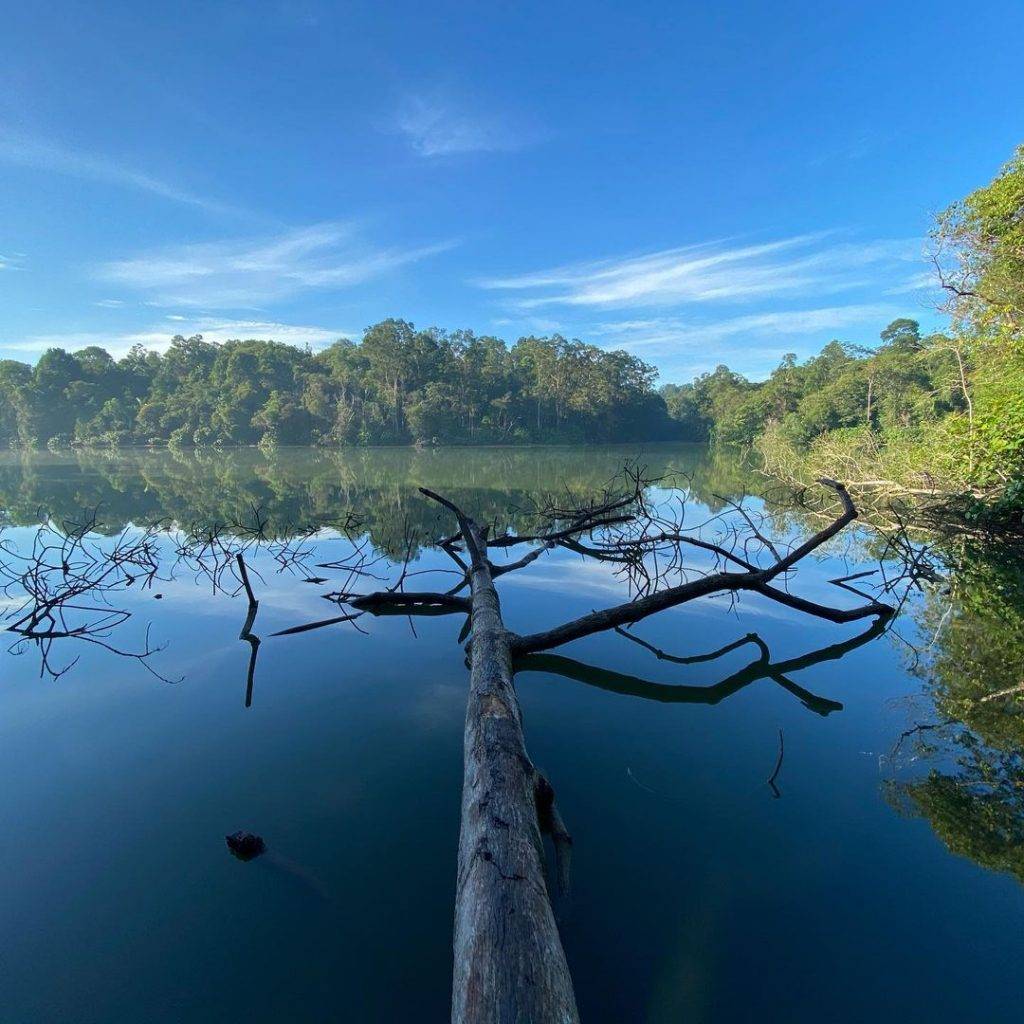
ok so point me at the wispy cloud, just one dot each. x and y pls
(532, 324)
(247, 274)
(712, 272)
(672, 334)
(753, 343)
(926, 281)
(220, 331)
(11, 261)
(856, 146)
(158, 337)
(109, 303)
(436, 126)
(44, 155)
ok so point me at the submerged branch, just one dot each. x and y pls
(778, 767)
(247, 634)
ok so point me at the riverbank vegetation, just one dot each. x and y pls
(938, 416)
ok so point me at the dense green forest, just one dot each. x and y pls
(399, 385)
(944, 412)
(903, 383)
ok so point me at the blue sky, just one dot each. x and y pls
(696, 183)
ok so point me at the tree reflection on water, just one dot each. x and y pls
(967, 764)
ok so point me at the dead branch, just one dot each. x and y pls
(402, 602)
(677, 693)
(694, 659)
(247, 634)
(778, 767)
(1010, 691)
(66, 584)
(754, 580)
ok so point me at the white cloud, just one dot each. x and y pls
(712, 272)
(436, 127)
(926, 281)
(667, 335)
(40, 154)
(12, 261)
(753, 344)
(115, 344)
(109, 303)
(290, 334)
(691, 307)
(531, 324)
(246, 274)
(158, 337)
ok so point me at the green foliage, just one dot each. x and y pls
(400, 385)
(979, 647)
(980, 252)
(979, 812)
(973, 797)
(939, 413)
(998, 437)
(681, 403)
(905, 382)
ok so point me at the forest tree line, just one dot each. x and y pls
(399, 385)
(944, 410)
(905, 382)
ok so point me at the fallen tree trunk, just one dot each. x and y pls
(509, 964)
(510, 967)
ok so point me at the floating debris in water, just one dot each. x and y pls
(245, 845)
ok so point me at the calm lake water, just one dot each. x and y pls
(877, 886)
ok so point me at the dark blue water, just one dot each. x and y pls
(697, 894)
